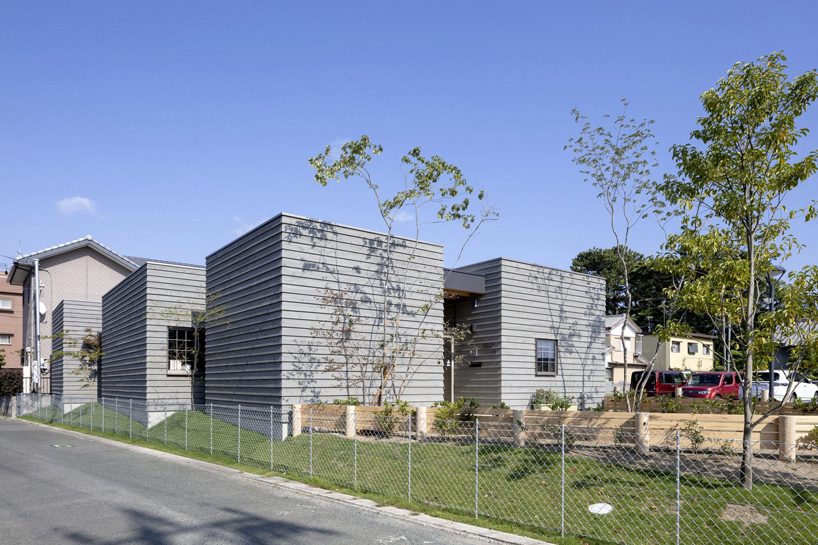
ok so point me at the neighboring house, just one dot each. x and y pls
(785, 344)
(80, 270)
(528, 327)
(304, 319)
(11, 322)
(148, 340)
(618, 329)
(691, 353)
(72, 322)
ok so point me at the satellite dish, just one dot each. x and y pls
(43, 309)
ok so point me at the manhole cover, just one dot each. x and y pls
(62, 446)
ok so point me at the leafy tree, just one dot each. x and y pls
(617, 158)
(2, 357)
(733, 197)
(86, 349)
(607, 263)
(390, 359)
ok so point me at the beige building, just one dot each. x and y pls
(692, 353)
(80, 270)
(11, 322)
(618, 329)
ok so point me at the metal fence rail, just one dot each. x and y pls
(595, 482)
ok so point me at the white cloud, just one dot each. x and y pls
(76, 205)
(404, 216)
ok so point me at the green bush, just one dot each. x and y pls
(391, 415)
(551, 399)
(450, 414)
(347, 401)
(693, 432)
(11, 382)
(669, 404)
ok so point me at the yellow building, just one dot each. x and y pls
(693, 353)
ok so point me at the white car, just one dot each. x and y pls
(803, 389)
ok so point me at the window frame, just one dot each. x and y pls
(10, 337)
(556, 363)
(692, 348)
(10, 307)
(182, 371)
(706, 349)
(677, 345)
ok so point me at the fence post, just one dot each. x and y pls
(310, 441)
(518, 427)
(678, 487)
(562, 480)
(238, 438)
(409, 475)
(296, 431)
(421, 425)
(355, 454)
(186, 412)
(130, 418)
(786, 438)
(211, 428)
(476, 467)
(103, 415)
(166, 425)
(350, 421)
(643, 433)
(81, 415)
(271, 437)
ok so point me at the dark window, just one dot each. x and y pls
(692, 348)
(182, 349)
(728, 380)
(546, 357)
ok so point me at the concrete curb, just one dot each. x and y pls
(484, 534)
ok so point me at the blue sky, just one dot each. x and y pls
(170, 127)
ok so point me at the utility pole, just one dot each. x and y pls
(35, 368)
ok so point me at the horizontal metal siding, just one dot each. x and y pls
(317, 256)
(244, 347)
(539, 302)
(124, 338)
(173, 293)
(481, 383)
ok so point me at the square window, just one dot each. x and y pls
(5, 304)
(706, 349)
(5, 338)
(675, 347)
(183, 349)
(546, 357)
(692, 348)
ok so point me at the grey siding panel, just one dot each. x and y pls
(136, 315)
(321, 260)
(71, 320)
(482, 383)
(539, 302)
(244, 347)
(124, 338)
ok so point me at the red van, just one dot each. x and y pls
(659, 383)
(714, 384)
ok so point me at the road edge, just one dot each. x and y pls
(462, 528)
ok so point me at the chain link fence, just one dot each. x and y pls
(599, 483)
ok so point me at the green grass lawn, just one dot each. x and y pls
(518, 489)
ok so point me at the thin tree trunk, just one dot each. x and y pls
(747, 434)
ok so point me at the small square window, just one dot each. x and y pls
(675, 347)
(692, 348)
(5, 338)
(706, 349)
(6, 304)
(546, 357)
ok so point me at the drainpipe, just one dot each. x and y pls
(36, 322)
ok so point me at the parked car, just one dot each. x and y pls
(803, 389)
(715, 384)
(659, 382)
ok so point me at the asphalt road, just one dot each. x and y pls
(96, 493)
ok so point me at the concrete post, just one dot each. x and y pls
(350, 421)
(296, 420)
(678, 392)
(642, 432)
(786, 438)
(422, 423)
(518, 427)
(765, 396)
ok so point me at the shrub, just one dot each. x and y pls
(554, 431)
(11, 382)
(692, 431)
(502, 405)
(390, 416)
(551, 399)
(669, 404)
(450, 414)
(346, 401)
(810, 440)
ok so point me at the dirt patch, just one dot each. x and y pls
(746, 514)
